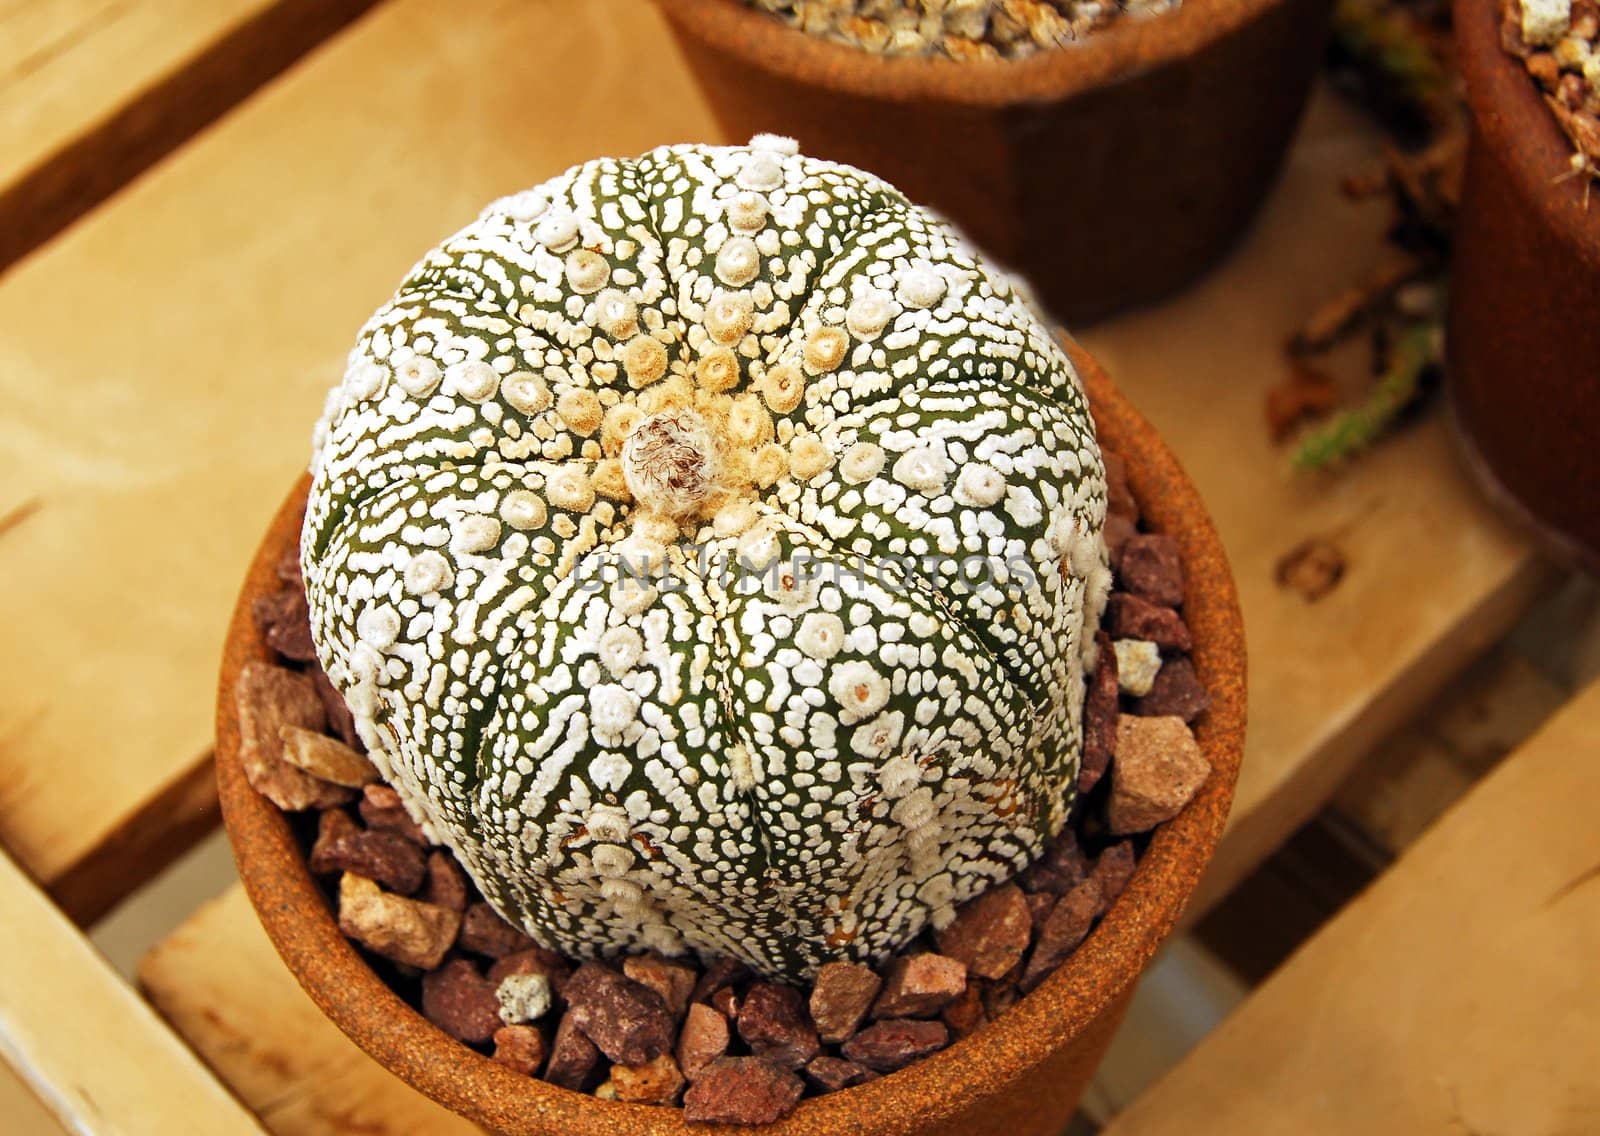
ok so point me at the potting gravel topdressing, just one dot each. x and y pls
(1559, 42)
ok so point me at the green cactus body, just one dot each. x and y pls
(708, 545)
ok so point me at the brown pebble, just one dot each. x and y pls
(719, 974)
(840, 997)
(342, 846)
(520, 1048)
(830, 1074)
(461, 1001)
(655, 1082)
(1100, 709)
(998, 997)
(990, 933)
(1542, 66)
(340, 720)
(290, 633)
(742, 1090)
(674, 981)
(1040, 904)
(1152, 569)
(573, 1057)
(966, 1014)
(774, 1024)
(380, 807)
(1159, 769)
(417, 934)
(483, 932)
(1117, 532)
(726, 1002)
(1133, 617)
(896, 1043)
(533, 960)
(267, 698)
(1068, 925)
(1112, 871)
(288, 563)
(629, 1022)
(446, 884)
(1177, 692)
(919, 986)
(1120, 501)
(327, 759)
(1059, 869)
(703, 1038)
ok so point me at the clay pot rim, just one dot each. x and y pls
(1512, 120)
(1128, 47)
(305, 932)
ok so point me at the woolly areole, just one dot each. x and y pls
(708, 546)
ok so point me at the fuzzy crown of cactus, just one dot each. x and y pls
(708, 546)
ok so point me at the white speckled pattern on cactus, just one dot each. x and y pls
(694, 356)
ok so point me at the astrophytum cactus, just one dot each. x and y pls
(708, 545)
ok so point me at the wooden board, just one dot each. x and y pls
(1457, 996)
(220, 984)
(161, 366)
(92, 1051)
(93, 92)
(1431, 578)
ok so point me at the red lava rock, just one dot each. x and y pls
(288, 564)
(630, 1023)
(830, 1074)
(483, 932)
(840, 998)
(1152, 569)
(1100, 709)
(727, 1002)
(742, 1090)
(342, 846)
(290, 633)
(1133, 617)
(920, 986)
(1040, 904)
(1112, 871)
(1117, 531)
(655, 1082)
(719, 974)
(460, 1001)
(1159, 769)
(998, 997)
(573, 1057)
(774, 1024)
(446, 884)
(894, 1044)
(340, 719)
(674, 981)
(966, 1014)
(1120, 501)
(533, 960)
(381, 808)
(405, 930)
(1176, 692)
(268, 698)
(1059, 869)
(1068, 925)
(703, 1038)
(519, 1047)
(990, 933)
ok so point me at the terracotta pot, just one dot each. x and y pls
(1524, 331)
(1020, 1076)
(1109, 172)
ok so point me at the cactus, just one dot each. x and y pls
(708, 546)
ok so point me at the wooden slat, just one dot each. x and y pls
(1457, 996)
(287, 1062)
(1431, 578)
(162, 363)
(92, 1051)
(94, 91)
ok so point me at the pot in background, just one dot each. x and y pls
(1524, 324)
(1109, 172)
(1021, 1075)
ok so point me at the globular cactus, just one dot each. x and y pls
(708, 545)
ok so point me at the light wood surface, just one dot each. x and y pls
(1431, 579)
(267, 1039)
(95, 1055)
(163, 361)
(94, 91)
(1458, 995)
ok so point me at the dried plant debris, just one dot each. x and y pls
(964, 30)
(1559, 43)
